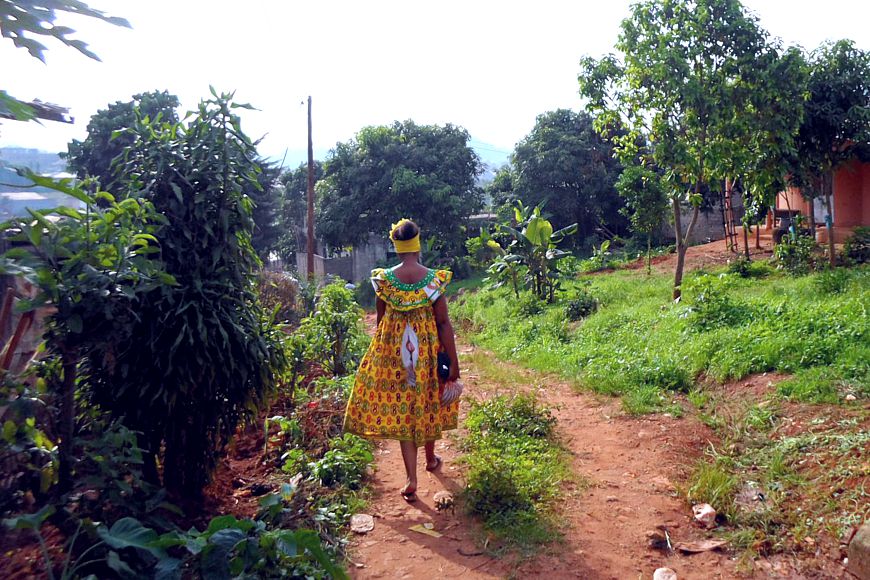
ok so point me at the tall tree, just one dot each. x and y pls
(646, 202)
(567, 167)
(294, 186)
(198, 359)
(98, 156)
(836, 123)
(266, 193)
(677, 83)
(425, 172)
(754, 148)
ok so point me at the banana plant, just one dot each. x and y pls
(533, 249)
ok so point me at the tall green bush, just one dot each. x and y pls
(200, 357)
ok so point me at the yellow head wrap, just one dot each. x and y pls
(404, 246)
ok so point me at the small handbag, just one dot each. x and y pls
(443, 365)
(451, 391)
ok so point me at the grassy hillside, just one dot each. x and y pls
(642, 346)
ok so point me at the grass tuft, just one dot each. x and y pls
(515, 470)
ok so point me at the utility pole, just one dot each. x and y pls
(310, 197)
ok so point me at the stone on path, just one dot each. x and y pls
(362, 523)
(664, 574)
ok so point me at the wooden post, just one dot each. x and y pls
(311, 245)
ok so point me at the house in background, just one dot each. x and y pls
(850, 202)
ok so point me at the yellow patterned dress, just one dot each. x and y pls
(396, 394)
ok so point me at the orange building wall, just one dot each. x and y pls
(865, 199)
(791, 198)
(851, 201)
(849, 193)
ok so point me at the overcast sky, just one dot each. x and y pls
(488, 66)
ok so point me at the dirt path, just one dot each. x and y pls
(625, 471)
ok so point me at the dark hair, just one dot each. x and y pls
(406, 231)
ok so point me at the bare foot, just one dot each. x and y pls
(434, 465)
(409, 492)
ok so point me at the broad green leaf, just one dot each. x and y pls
(30, 521)
(130, 533)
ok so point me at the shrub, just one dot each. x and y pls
(600, 260)
(569, 266)
(279, 294)
(345, 464)
(795, 254)
(712, 306)
(581, 306)
(832, 281)
(515, 468)
(528, 305)
(333, 334)
(857, 246)
(519, 416)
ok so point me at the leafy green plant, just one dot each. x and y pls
(515, 469)
(796, 254)
(832, 281)
(600, 259)
(288, 432)
(857, 246)
(201, 355)
(29, 456)
(528, 305)
(712, 306)
(646, 202)
(93, 266)
(333, 333)
(534, 249)
(580, 306)
(227, 548)
(345, 464)
(745, 268)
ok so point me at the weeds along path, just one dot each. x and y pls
(624, 467)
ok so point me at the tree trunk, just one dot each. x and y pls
(746, 239)
(829, 219)
(67, 420)
(682, 242)
(648, 253)
(812, 217)
(758, 236)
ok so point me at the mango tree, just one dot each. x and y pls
(646, 202)
(676, 85)
(836, 122)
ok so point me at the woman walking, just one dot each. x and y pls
(397, 393)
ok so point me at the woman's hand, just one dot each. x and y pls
(454, 372)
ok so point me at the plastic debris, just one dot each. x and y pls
(664, 574)
(700, 546)
(362, 523)
(704, 514)
(424, 530)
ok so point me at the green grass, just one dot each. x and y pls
(641, 345)
(515, 471)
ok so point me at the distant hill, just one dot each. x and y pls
(491, 156)
(34, 159)
(18, 194)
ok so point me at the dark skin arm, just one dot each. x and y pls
(446, 336)
(380, 308)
